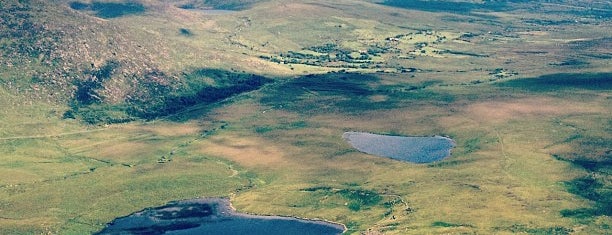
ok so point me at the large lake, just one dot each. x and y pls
(213, 216)
(410, 149)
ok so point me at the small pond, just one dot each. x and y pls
(212, 216)
(410, 149)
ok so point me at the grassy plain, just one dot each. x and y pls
(527, 100)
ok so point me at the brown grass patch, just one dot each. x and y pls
(16, 176)
(246, 151)
(378, 98)
(409, 121)
(292, 9)
(236, 111)
(123, 150)
(165, 129)
(503, 111)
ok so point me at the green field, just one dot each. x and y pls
(110, 107)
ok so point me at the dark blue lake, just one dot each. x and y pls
(212, 216)
(410, 149)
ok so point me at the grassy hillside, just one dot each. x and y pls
(109, 107)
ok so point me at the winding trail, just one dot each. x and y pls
(507, 161)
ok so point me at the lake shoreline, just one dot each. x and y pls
(413, 149)
(173, 218)
(314, 220)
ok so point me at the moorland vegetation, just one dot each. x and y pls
(109, 107)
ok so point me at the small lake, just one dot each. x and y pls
(212, 216)
(410, 149)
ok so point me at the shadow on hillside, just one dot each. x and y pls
(195, 90)
(157, 95)
(563, 81)
(349, 93)
(448, 6)
(594, 155)
(231, 5)
(599, 10)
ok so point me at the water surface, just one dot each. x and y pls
(213, 216)
(410, 149)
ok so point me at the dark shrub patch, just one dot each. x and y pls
(103, 114)
(448, 225)
(594, 189)
(185, 32)
(317, 188)
(585, 187)
(188, 6)
(354, 206)
(358, 198)
(581, 213)
(361, 196)
(86, 89)
(521, 228)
